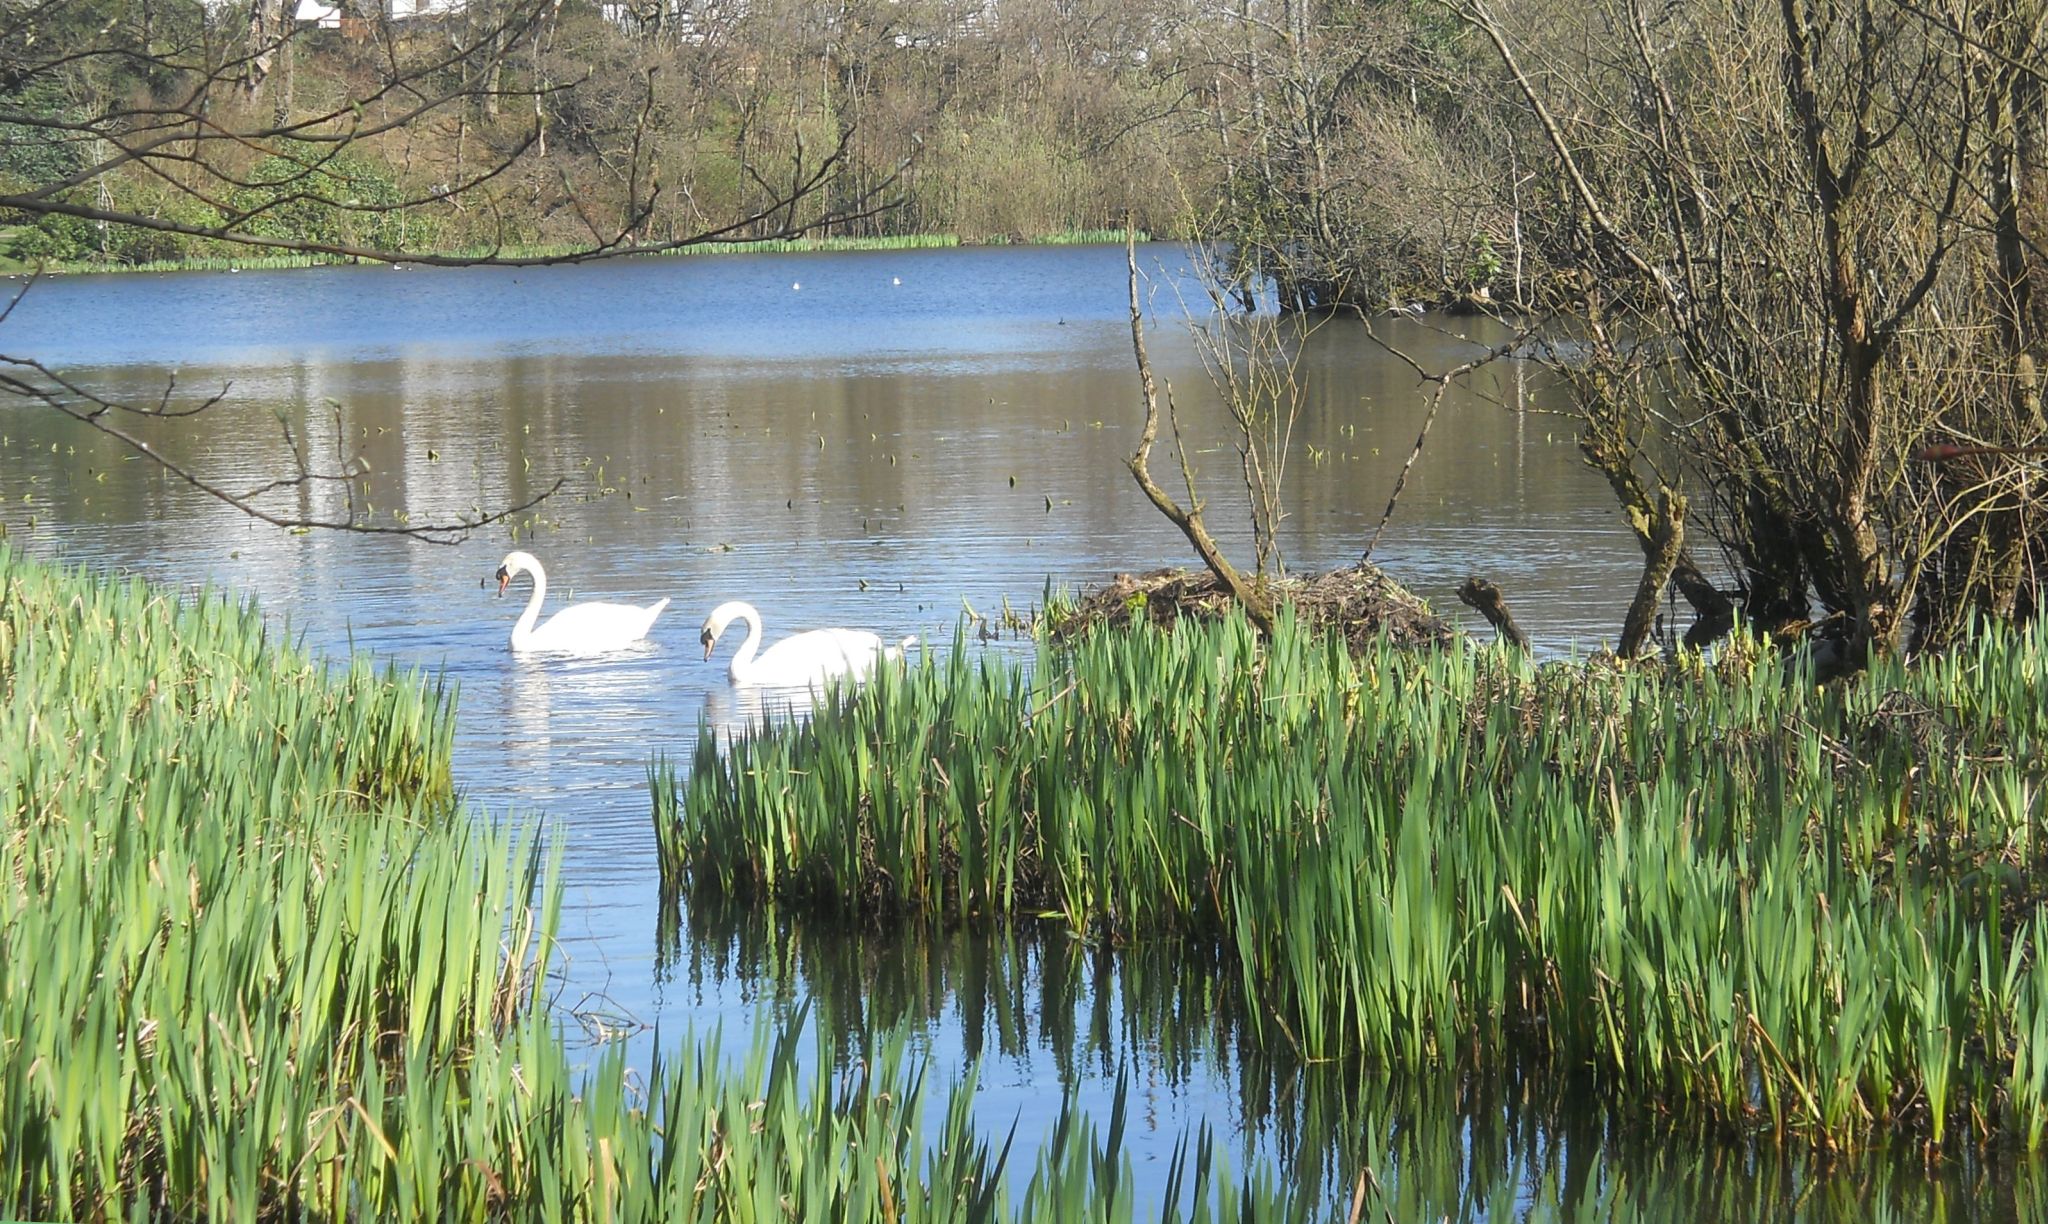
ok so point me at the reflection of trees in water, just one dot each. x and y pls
(1010, 991)
(1519, 1142)
(1524, 1142)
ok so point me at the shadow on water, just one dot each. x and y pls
(1514, 1143)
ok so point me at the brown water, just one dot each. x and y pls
(882, 441)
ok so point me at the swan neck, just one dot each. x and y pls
(523, 630)
(745, 658)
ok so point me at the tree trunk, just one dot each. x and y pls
(1664, 540)
(1835, 177)
(281, 82)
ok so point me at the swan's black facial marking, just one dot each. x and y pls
(504, 579)
(709, 639)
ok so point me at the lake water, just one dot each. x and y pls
(880, 441)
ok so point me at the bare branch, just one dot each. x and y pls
(1442, 383)
(1257, 606)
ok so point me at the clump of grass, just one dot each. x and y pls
(756, 246)
(763, 246)
(1810, 910)
(255, 964)
(1088, 237)
(233, 904)
(216, 263)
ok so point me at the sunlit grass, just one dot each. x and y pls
(1806, 909)
(235, 908)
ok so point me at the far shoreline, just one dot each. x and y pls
(12, 270)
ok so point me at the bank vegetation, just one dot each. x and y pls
(256, 964)
(1716, 889)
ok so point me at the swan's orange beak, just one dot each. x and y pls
(504, 579)
(709, 639)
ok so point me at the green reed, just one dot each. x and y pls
(233, 905)
(216, 263)
(1806, 909)
(256, 963)
(1088, 237)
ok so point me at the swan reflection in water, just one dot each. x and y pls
(737, 709)
(579, 722)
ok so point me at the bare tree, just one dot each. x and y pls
(1789, 203)
(1352, 168)
(1253, 360)
(177, 119)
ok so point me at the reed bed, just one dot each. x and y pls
(1088, 237)
(215, 263)
(875, 242)
(256, 964)
(1796, 909)
(251, 262)
(762, 246)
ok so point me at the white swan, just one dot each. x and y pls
(802, 659)
(584, 628)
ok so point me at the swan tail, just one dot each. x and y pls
(654, 611)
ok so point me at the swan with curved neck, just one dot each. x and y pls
(801, 660)
(583, 628)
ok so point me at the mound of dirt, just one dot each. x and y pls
(1360, 601)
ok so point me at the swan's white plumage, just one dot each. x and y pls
(584, 628)
(801, 660)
